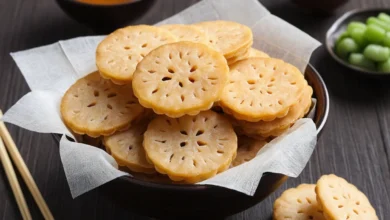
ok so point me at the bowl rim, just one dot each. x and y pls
(335, 26)
(197, 188)
(104, 5)
(323, 119)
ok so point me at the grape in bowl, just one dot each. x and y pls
(360, 40)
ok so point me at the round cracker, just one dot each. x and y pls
(298, 204)
(227, 37)
(279, 125)
(191, 148)
(119, 53)
(262, 89)
(126, 148)
(95, 106)
(342, 200)
(247, 149)
(180, 78)
(187, 33)
(257, 53)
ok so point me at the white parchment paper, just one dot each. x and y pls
(51, 70)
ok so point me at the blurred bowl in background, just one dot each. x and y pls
(105, 18)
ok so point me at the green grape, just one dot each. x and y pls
(358, 35)
(374, 33)
(355, 25)
(345, 47)
(380, 23)
(384, 66)
(358, 59)
(342, 36)
(386, 41)
(376, 53)
(384, 17)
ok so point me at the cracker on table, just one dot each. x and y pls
(126, 148)
(180, 78)
(191, 148)
(227, 37)
(95, 106)
(342, 200)
(119, 53)
(298, 204)
(261, 89)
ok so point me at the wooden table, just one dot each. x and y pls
(355, 143)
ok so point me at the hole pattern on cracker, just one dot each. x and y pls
(190, 140)
(119, 53)
(188, 78)
(256, 92)
(95, 106)
(91, 104)
(279, 125)
(298, 203)
(227, 37)
(342, 199)
(187, 33)
(111, 95)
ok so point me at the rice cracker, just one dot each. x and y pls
(187, 33)
(298, 204)
(119, 53)
(191, 148)
(279, 125)
(227, 37)
(180, 78)
(126, 148)
(262, 89)
(95, 106)
(342, 200)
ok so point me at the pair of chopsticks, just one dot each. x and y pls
(24, 172)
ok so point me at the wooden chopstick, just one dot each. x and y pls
(24, 172)
(13, 182)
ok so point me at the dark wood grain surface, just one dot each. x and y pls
(355, 143)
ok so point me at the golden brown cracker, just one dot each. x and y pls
(95, 106)
(191, 148)
(180, 78)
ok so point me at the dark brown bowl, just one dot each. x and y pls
(196, 201)
(104, 19)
